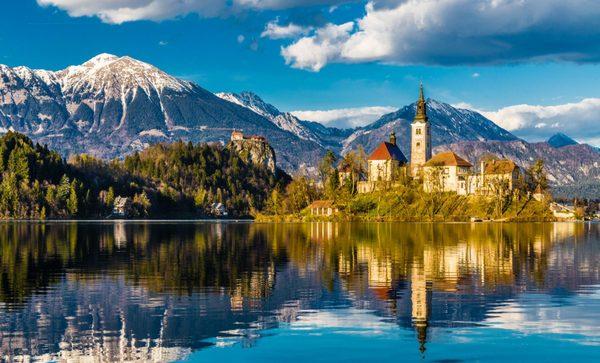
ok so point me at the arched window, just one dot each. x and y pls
(418, 132)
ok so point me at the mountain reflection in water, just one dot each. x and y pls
(166, 291)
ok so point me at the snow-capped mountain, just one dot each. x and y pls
(110, 106)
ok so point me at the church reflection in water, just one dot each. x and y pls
(158, 291)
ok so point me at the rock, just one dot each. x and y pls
(253, 149)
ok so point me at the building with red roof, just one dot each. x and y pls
(385, 165)
(386, 161)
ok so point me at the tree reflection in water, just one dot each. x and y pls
(127, 291)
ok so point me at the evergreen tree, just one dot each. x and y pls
(110, 198)
(538, 175)
(72, 203)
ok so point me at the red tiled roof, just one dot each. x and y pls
(448, 159)
(387, 151)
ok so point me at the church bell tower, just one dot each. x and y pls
(420, 145)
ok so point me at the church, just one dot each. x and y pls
(443, 172)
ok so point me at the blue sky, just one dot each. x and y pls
(334, 54)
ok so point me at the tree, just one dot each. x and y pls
(72, 202)
(64, 188)
(300, 193)
(538, 175)
(18, 164)
(275, 204)
(329, 174)
(433, 185)
(356, 162)
(327, 165)
(110, 197)
(500, 189)
(142, 204)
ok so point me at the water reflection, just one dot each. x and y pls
(158, 291)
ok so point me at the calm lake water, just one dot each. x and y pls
(300, 292)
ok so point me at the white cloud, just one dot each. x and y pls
(475, 75)
(275, 31)
(163, 43)
(579, 120)
(315, 52)
(451, 32)
(345, 117)
(121, 11)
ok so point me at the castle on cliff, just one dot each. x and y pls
(253, 149)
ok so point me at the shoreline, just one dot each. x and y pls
(271, 221)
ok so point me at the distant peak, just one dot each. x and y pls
(102, 58)
(559, 140)
(105, 59)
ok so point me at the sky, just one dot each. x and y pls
(529, 65)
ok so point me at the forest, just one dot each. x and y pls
(177, 180)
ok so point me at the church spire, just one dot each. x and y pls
(421, 114)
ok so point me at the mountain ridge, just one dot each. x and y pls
(111, 106)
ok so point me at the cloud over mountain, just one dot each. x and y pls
(121, 11)
(345, 117)
(453, 32)
(579, 120)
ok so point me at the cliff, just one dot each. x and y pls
(254, 150)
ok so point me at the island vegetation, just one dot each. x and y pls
(403, 199)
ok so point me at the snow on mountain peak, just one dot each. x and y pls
(117, 76)
(251, 101)
(101, 59)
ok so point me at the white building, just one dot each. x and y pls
(447, 172)
(384, 165)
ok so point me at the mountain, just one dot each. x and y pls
(559, 140)
(111, 106)
(448, 125)
(327, 137)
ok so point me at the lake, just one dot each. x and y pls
(320, 292)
